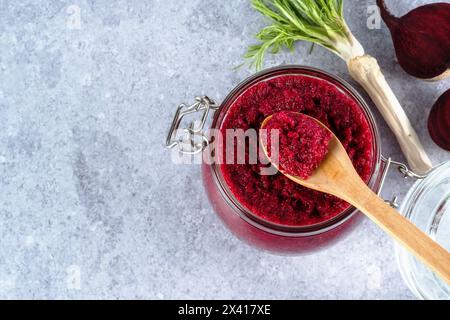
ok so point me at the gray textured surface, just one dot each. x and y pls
(88, 190)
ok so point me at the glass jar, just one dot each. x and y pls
(427, 205)
(285, 239)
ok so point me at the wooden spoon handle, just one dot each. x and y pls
(401, 229)
(367, 72)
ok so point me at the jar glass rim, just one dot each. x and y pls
(418, 196)
(342, 86)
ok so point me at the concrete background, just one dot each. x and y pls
(91, 205)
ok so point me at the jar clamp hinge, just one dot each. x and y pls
(404, 170)
(193, 140)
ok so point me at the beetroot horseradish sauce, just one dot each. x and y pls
(275, 198)
(303, 143)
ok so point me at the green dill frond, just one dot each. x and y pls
(318, 21)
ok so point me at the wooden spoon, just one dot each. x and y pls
(337, 176)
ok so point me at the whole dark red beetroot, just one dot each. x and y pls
(439, 121)
(421, 39)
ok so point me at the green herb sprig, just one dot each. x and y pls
(318, 21)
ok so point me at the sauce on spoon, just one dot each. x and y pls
(302, 143)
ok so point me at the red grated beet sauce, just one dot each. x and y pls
(303, 143)
(275, 198)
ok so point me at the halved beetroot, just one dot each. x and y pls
(439, 121)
